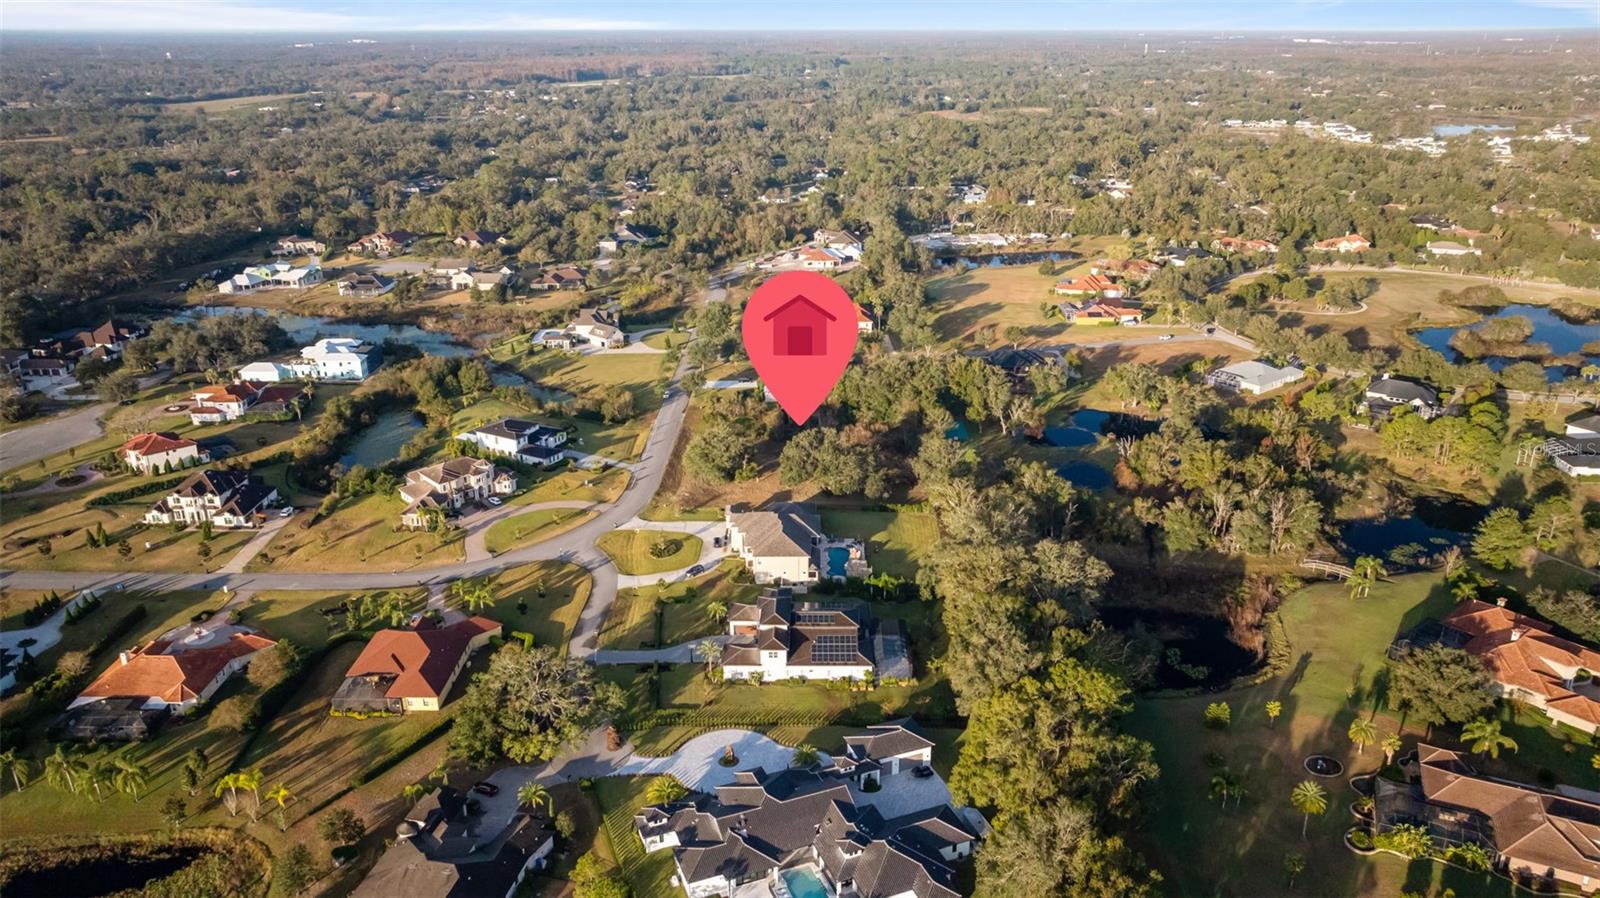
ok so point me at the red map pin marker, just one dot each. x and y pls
(800, 330)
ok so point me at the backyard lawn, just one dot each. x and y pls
(1336, 657)
(650, 874)
(529, 528)
(897, 541)
(631, 622)
(65, 531)
(642, 552)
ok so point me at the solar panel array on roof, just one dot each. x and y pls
(834, 649)
(814, 617)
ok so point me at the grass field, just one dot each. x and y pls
(228, 104)
(296, 615)
(544, 599)
(897, 542)
(529, 528)
(651, 874)
(363, 534)
(65, 529)
(1337, 652)
(631, 622)
(630, 550)
(575, 484)
(641, 372)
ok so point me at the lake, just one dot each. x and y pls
(1458, 130)
(970, 261)
(1408, 542)
(1563, 337)
(1201, 643)
(307, 329)
(103, 873)
(379, 443)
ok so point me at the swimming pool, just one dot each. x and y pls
(803, 883)
(837, 556)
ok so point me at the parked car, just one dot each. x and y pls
(486, 788)
(1165, 337)
(922, 772)
(696, 570)
(287, 511)
(716, 542)
(494, 500)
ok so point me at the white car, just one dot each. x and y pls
(1165, 337)
(286, 512)
(494, 500)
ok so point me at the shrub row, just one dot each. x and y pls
(133, 492)
(389, 761)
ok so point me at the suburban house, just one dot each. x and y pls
(277, 275)
(443, 271)
(1180, 256)
(841, 240)
(1089, 285)
(101, 341)
(43, 368)
(104, 720)
(149, 452)
(1101, 311)
(810, 834)
(228, 499)
(564, 277)
(974, 195)
(1349, 243)
(384, 243)
(482, 280)
(526, 441)
(1584, 424)
(175, 672)
(1241, 245)
(1017, 361)
(401, 671)
(1432, 222)
(365, 285)
(864, 321)
(1574, 456)
(889, 748)
(1253, 377)
(298, 246)
(448, 848)
(449, 485)
(1389, 392)
(778, 546)
(1451, 248)
(776, 638)
(479, 239)
(328, 359)
(1131, 269)
(1529, 663)
(597, 327)
(1542, 838)
(216, 403)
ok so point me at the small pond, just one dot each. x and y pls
(306, 329)
(1408, 542)
(1459, 130)
(1080, 429)
(1322, 765)
(378, 444)
(1563, 337)
(1085, 474)
(108, 874)
(970, 261)
(1197, 650)
(502, 377)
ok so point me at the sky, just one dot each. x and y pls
(954, 16)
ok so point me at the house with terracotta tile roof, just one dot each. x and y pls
(177, 672)
(1531, 664)
(1094, 310)
(401, 671)
(1134, 269)
(162, 451)
(1349, 243)
(1539, 837)
(1089, 285)
(1241, 245)
(216, 403)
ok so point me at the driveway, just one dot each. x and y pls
(710, 556)
(682, 653)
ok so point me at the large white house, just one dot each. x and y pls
(330, 359)
(273, 276)
(778, 546)
(1253, 377)
(526, 441)
(228, 499)
(1388, 392)
(449, 485)
(777, 638)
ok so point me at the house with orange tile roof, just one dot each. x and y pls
(1089, 285)
(1101, 311)
(1539, 837)
(162, 451)
(401, 671)
(177, 672)
(1531, 664)
(1349, 243)
(1133, 269)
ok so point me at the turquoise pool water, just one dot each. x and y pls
(837, 556)
(803, 883)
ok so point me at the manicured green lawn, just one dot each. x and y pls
(363, 534)
(897, 541)
(1336, 658)
(667, 340)
(660, 510)
(554, 594)
(525, 529)
(575, 484)
(630, 624)
(650, 874)
(296, 615)
(631, 550)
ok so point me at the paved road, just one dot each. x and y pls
(58, 434)
(576, 546)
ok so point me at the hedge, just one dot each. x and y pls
(119, 630)
(133, 492)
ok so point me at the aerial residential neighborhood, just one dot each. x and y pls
(869, 450)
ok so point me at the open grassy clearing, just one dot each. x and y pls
(575, 484)
(544, 599)
(994, 299)
(534, 526)
(667, 340)
(635, 551)
(228, 104)
(361, 535)
(641, 372)
(296, 615)
(650, 874)
(683, 606)
(1337, 649)
(619, 442)
(65, 530)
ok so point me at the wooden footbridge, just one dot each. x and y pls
(1329, 569)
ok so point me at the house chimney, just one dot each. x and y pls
(1500, 602)
(1517, 632)
(123, 657)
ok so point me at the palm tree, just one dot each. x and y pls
(716, 609)
(805, 756)
(1362, 732)
(251, 779)
(530, 795)
(227, 788)
(130, 777)
(475, 594)
(1391, 744)
(1309, 798)
(1366, 571)
(1225, 785)
(281, 794)
(1273, 708)
(63, 770)
(18, 767)
(707, 650)
(1486, 737)
(412, 792)
(664, 790)
(99, 773)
